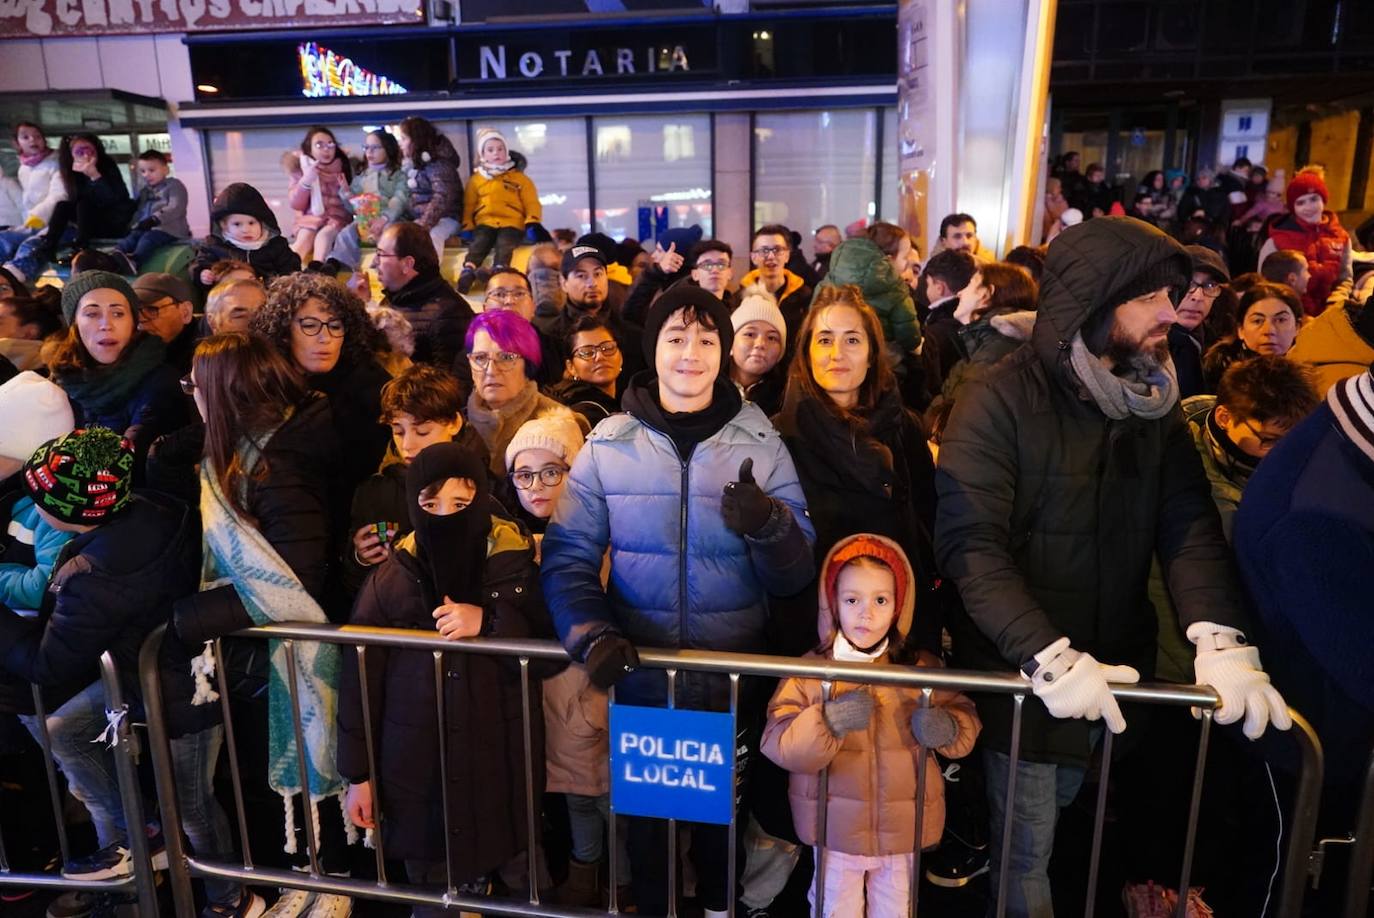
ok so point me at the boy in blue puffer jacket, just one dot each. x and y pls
(34, 411)
(698, 501)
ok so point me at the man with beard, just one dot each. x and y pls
(1060, 480)
(586, 284)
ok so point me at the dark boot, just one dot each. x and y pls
(582, 886)
(466, 278)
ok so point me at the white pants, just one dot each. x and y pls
(884, 881)
(442, 230)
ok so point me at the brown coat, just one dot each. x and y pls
(871, 797)
(577, 731)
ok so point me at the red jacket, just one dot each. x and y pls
(1323, 244)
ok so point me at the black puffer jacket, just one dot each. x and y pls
(110, 588)
(291, 505)
(1049, 514)
(438, 314)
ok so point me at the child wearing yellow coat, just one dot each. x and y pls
(500, 207)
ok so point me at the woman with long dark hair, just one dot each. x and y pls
(436, 191)
(97, 205)
(265, 472)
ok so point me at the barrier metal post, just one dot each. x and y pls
(124, 746)
(822, 804)
(1099, 819)
(159, 748)
(613, 878)
(1014, 756)
(731, 855)
(921, 762)
(1362, 855)
(302, 767)
(672, 823)
(372, 776)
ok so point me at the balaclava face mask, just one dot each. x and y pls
(452, 548)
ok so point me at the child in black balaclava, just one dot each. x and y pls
(465, 573)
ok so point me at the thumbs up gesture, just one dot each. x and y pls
(744, 505)
(668, 261)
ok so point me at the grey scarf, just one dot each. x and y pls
(1145, 394)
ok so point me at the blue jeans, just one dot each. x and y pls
(141, 244)
(202, 818)
(88, 765)
(10, 240)
(1042, 790)
(34, 254)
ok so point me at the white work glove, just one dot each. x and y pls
(1073, 684)
(1232, 668)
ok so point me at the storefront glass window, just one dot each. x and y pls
(888, 206)
(655, 162)
(815, 167)
(556, 149)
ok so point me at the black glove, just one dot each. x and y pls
(745, 506)
(147, 223)
(610, 659)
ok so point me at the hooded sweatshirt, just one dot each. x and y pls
(871, 799)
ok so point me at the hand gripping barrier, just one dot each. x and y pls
(184, 866)
(123, 745)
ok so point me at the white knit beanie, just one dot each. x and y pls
(557, 433)
(488, 133)
(32, 412)
(758, 305)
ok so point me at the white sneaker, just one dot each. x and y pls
(328, 905)
(291, 904)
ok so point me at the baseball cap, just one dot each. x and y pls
(578, 252)
(153, 287)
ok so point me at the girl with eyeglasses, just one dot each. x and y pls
(325, 333)
(504, 357)
(115, 375)
(97, 205)
(379, 189)
(320, 195)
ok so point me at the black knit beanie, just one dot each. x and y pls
(1170, 271)
(701, 301)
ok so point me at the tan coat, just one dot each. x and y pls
(577, 735)
(871, 799)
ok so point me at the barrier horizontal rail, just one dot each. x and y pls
(672, 662)
(123, 749)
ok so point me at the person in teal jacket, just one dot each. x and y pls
(35, 411)
(384, 177)
(861, 263)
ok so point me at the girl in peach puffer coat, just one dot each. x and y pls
(871, 737)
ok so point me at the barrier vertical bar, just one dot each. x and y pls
(440, 708)
(822, 804)
(232, 750)
(921, 763)
(672, 823)
(1302, 828)
(1099, 819)
(731, 856)
(150, 679)
(302, 767)
(532, 856)
(613, 878)
(1362, 855)
(40, 716)
(373, 776)
(131, 795)
(1190, 836)
(1018, 702)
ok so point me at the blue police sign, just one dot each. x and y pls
(672, 764)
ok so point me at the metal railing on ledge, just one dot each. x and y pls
(184, 866)
(123, 746)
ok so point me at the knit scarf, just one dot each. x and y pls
(491, 172)
(1352, 402)
(237, 554)
(102, 389)
(499, 425)
(331, 173)
(1145, 394)
(33, 159)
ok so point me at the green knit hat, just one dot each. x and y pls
(84, 477)
(85, 282)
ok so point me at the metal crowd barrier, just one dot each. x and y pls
(184, 866)
(124, 749)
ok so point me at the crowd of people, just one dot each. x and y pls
(1112, 458)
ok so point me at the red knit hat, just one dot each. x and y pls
(1306, 183)
(864, 547)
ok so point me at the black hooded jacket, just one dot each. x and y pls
(272, 260)
(1050, 514)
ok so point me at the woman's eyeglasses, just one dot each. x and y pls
(310, 327)
(549, 476)
(589, 351)
(504, 360)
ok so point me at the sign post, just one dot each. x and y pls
(668, 763)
